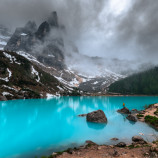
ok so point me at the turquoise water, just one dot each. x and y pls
(30, 128)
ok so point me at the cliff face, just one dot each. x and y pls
(46, 44)
(42, 42)
(20, 78)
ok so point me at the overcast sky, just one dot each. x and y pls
(125, 29)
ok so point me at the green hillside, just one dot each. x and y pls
(145, 83)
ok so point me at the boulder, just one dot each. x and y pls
(82, 115)
(3, 98)
(121, 144)
(124, 111)
(96, 116)
(131, 118)
(138, 139)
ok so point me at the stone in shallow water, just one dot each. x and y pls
(138, 139)
(135, 111)
(121, 144)
(114, 139)
(82, 115)
(97, 117)
(124, 111)
(131, 118)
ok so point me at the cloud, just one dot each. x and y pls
(125, 30)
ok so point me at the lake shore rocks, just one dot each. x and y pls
(131, 117)
(138, 139)
(3, 98)
(135, 111)
(114, 139)
(91, 149)
(124, 111)
(121, 144)
(97, 117)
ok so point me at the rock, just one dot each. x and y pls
(116, 154)
(3, 98)
(131, 118)
(70, 151)
(138, 139)
(53, 19)
(99, 148)
(135, 111)
(121, 144)
(82, 115)
(54, 154)
(114, 139)
(124, 111)
(96, 116)
(43, 30)
(153, 155)
(89, 143)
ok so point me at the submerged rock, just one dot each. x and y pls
(97, 117)
(114, 139)
(82, 115)
(124, 111)
(131, 118)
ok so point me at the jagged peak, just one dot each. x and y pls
(53, 19)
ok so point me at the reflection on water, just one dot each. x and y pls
(40, 126)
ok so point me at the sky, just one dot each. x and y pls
(123, 29)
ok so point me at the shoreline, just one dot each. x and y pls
(106, 95)
(120, 150)
(134, 149)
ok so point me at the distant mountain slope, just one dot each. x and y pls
(4, 36)
(19, 79)
(141, 83)
(44, 46)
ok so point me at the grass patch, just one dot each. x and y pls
(132, 146)
(156, 112)
(140, 116)
(151, 120)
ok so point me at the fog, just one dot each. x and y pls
(126, 30)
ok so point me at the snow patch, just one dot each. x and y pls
(11, 58)
(6, 93)
(74, 82)
(23, 34)
(34, 72)
(7, 78)
(95, 82)
(9, 87)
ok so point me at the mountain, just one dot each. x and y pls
(5, 35)
(21, 78)
(143, 83)
(45, 47)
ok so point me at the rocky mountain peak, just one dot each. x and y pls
(53, 19)
(31, 26)
(43, 29)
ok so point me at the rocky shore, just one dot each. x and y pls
(138, 149)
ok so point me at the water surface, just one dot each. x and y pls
(37, 127)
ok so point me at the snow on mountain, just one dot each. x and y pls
(4, 36)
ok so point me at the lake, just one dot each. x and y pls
(37, 127)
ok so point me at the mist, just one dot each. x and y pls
(126, 30)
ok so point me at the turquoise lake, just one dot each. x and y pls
(37, 127)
